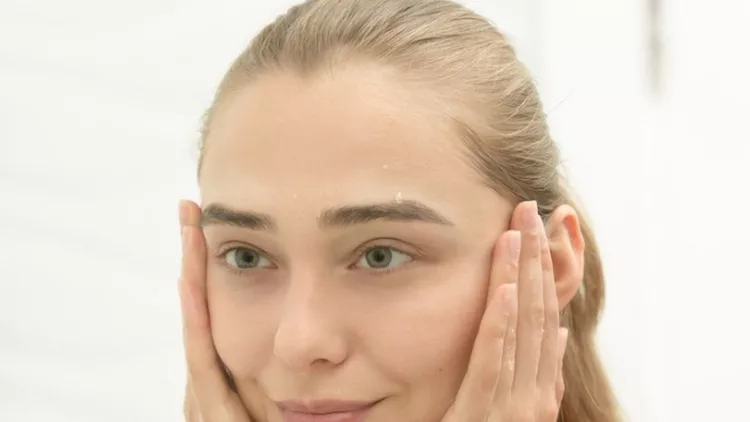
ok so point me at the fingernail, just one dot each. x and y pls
(514, 246)
(530, 216)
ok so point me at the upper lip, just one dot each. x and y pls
(321, 407)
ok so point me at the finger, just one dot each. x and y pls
(530, 304)
(505, 257)
(476, 394)
(205, 374)
(560, 384)
(507, 372)
(508, 271)
(547, 376)
(189, 410)
(190, 216)
(505, 271)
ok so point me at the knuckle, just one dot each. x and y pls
(497, 331)
(492, 339)
(544, 244)
(546, 259)
(536, 314)
(510, 363)
(535, 250)
(487, 384)
(510, 342)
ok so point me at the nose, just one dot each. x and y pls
(308, 333)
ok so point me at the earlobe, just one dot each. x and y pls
(567, 247)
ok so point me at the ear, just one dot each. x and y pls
(567, 248)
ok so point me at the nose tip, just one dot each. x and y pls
(306, 338)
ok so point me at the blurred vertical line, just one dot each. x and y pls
(537, 20)
(655, 47)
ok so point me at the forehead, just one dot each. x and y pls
(354, 135)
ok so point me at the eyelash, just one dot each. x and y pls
(362, 250)
(358, 253)
(241, 271)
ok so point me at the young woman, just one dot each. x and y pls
(384, 235)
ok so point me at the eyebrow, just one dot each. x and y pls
(217, 214)
(397, 211)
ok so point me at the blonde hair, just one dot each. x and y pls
(485, 93)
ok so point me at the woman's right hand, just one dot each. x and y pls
(208, 397)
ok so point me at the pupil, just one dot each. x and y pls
(379, 257)
(247, 258)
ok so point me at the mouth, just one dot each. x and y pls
(325, 410)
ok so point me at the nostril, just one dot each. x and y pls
(304, 344)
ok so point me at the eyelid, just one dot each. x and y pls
(385, 243)
(225, 249)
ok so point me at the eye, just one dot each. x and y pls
(241, 258)
(382, 258)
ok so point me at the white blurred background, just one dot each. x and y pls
(99, 105)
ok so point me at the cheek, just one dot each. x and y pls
(425, 338)
(242, 332)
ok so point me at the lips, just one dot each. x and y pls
(325, 410)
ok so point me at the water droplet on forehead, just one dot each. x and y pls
(399, 197)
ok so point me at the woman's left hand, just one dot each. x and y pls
(515, 371)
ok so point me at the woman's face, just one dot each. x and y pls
(349, 247)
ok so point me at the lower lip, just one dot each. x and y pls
(358, 415)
